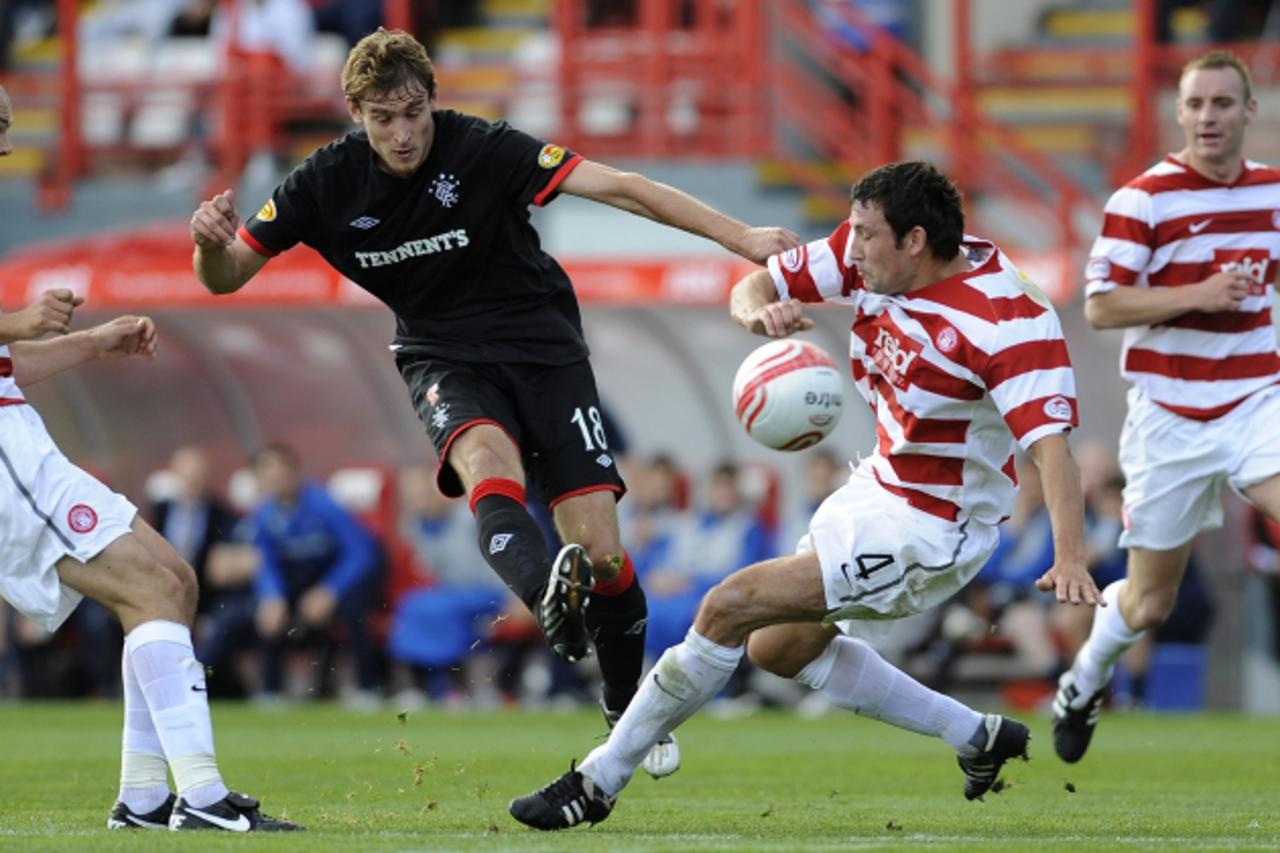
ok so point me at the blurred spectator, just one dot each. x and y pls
(202, 529)
(823, 474)
(1103, 487)
(194, 18)
(653, 513)
(267, 41)
(319, 570)
(280, 32)
(1227, 20)
(724, 535)
(81, 659)
(440, 626)
(1000, 614)
(230, 604)
(193, 519)
(1263, 557)
(20, 20)
(351, 19)
(113, 20)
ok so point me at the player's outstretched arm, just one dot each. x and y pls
(50, 312)
(1121, 307)
(754, 305)
(637, 194)
(223, 262)
(35, 361)
(1069, 577)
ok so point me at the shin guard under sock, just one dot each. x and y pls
(510, 540)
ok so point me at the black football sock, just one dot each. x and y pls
(512, 545)
(617, 624)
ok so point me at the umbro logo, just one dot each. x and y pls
(604, 460)
(364, 223)
(1197, 227)
(498, 543)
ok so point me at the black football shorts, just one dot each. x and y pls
(551, 413)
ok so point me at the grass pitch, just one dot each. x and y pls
(440, 781)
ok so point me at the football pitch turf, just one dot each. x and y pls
(771, 781)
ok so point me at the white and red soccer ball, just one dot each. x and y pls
(788, 395)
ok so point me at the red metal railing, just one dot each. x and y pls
(662, 85)
(250, 99)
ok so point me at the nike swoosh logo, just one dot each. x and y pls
(1197, 227)
(240, 824)
(200, 688)
(145, 824)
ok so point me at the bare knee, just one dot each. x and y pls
(721, 616)
(151, 590)
(189, 587)
(606, 561)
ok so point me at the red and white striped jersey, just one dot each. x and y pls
(954, 372)
(10, 393)
(1172, 226)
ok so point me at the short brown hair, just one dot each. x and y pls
(1215, 59)
(384, 61)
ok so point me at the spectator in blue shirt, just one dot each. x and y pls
(319, 568)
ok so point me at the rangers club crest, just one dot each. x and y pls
(445, 189)
(81, 518)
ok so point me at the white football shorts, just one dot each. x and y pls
(883, 560)
(1174, 467)
(49, 509)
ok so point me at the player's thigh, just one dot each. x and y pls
(1174, 470)
(567, 451)
(1256, 474)
(50, 510)
(1266, 496)
(127, 578)
(784, 589)
(470, 418)
(163, 552)
(883, 560)
(784, 650)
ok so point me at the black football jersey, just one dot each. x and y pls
(450, 248)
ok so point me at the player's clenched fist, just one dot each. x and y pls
(214, 223)
(761, 243)
(124, 336)
(50, 312)
(1224, 291)
(778, 319)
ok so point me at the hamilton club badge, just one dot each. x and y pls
(445, 189)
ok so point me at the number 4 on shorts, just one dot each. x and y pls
(868, 563)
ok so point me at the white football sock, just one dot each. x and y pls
(144, 774)
(1109, 638)
(851, 675)
(172, 680)
(684, 679)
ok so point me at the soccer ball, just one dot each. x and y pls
(788, 395)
